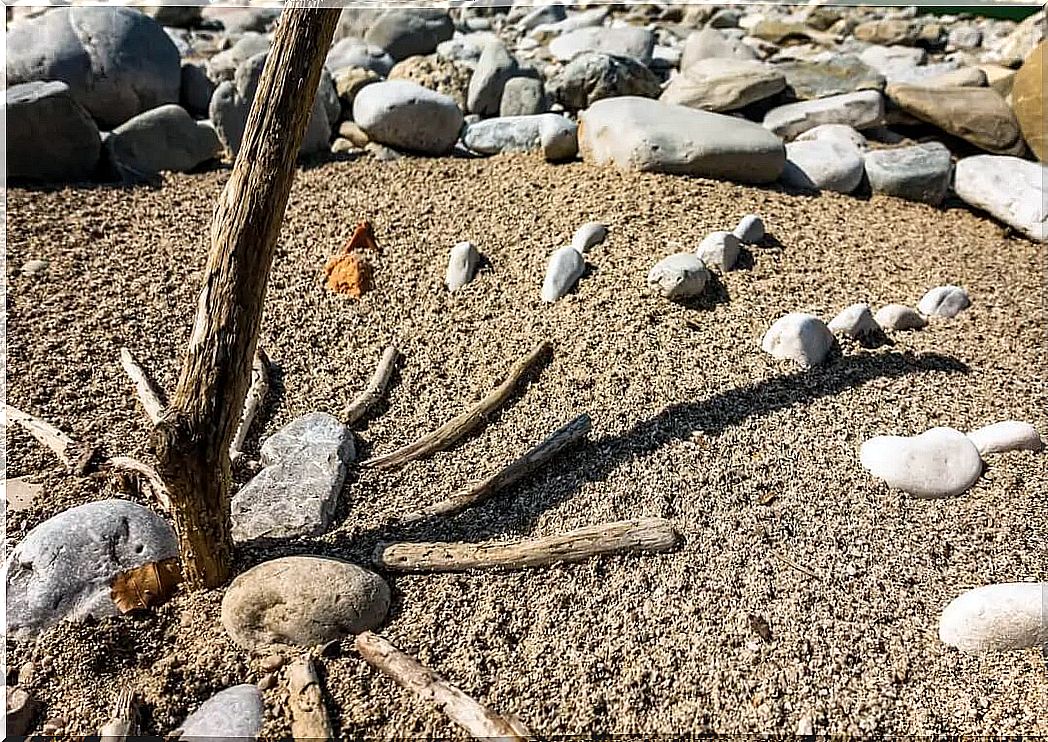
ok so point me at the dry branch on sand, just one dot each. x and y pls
(148, 393)
(64, 447)
(309, 719)
(459, 427)
(478, 720)
(256, 395)
(635, 536)
(375, 389)
(145, 478)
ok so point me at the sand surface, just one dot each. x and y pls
(691, 422)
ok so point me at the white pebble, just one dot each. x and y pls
(589, 235)
(944, 301)
(940, 462)
(802, 338)
(566, 266)
(996, 618)
(720, 249)
(679, 276)
(899, 317)
(855, 321)
(750, 229)
(1010, 435)
(462, 265)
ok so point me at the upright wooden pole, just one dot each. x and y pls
(194, 434)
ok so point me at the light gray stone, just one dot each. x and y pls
(116, 61)
(1009, 188)
(523, 96)
(724, 84)
(917, 173)
(589, 235)
(720, 250)
(223, 66)
(353, 52)
(1010, 435)
(630, 41)
(552, 134)
(836, 75)
(565, 268)
(594, 76)
(494, 68)
(165, 138)
(709, 43)
(835, 133)
(944, 301)
(802, 338)
(298, 491)
(861, 110)
(646, 135)
(572, 22)
(62, 569)
(964, 37)
(302, 601)
(899, 317)
(232, 715)
(823, 166)
(855, 321)
(893, 62)
(997, 618)
(679, 276)
(941, 462)
(50, 137)
(409, 32)
(462, 265)
(750, 229)
(544, 13)
(408, 116)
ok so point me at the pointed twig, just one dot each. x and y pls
(458, 428)
(309, 719)
(478, 720)
(140, 473)
(256, 395)
(375, 388)
(480, 491)
(64, 447)
(147, 391)
(637, 536)
(123, 724)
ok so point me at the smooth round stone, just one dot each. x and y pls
(566, 267)
(1010, 188)
(855, 321)
(303, 601)
(462, 265)
(408, 116)
(802, 338)
(720, 249)
(899, 317)
(232, 714)
(589, 235)
(750, 229)
(918, 173)
(997, 618)
(679, 276)
(823, 165)
(941, 462)
(835, 133)
(1010, 435)
(944, 301)
(353, 52)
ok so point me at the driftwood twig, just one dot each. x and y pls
(309, 719)
(147, 391)
(256, 395)
(375, 388)
(637, 536)
(459, 427)
(478, 720)
(123, 724)
(64, 447)
(515, 471)
(141, 474)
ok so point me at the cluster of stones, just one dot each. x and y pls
(810, 96)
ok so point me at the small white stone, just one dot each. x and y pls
(34, 267)
(589, 235)
(899, 317)
(750, 229)
(802, 338)
(566, 266)
(720, 249)
(944, 301)
(462, 265)
(679, 276)
(940, 462)
(995, 618)
(855, 321)
(1010, 435)
(805, 727)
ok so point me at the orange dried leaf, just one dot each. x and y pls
(349, 274)
(363, 238)
(146, 586)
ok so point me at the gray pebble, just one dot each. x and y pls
(566, 266)
(679, 276)
(944, 301)
(720, 250)
(899, 317)
(462, 265)
(801, 338)
(750, 229)
(229, 715)
(855, 321)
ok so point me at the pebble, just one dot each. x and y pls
(802, 338)
(271, 663)
(679, 276)
(860, 110)
(162, 139)
(711, 43)
(750, 229)
(462, 265)
(409, 32)
(566, 267)
(918, 173)
(589, 235)
(1009, 188)
(408, 116)
(997, 618)
(20, 493)
(234, 713)
(941, 462)
(823, 165)
(353, 52)
(34, 267)
(855, 321)
(720, 250)
(836, 74)
(523, 96)
(944, 301)
(899, 317)
(495, 68)
(595, 76)
(267, 681)
(1010, 435)
(61, 570)
(303, 601)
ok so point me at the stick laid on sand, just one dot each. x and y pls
(122, 724)
(459, 427)
(142, 472)
(375, 388)
(480, 491)
(309, 719)
(635, 536)
(147, 392)
(256, 395)
(478, 720)
(61, 444)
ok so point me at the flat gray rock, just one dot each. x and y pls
(61, 570)
(801, 338)
(835, 133)
(50, 137)
(594, 76)
(861, 110)
(837, 75)
(165, 138)
(302, 601)
(495, 68)
(1009, 188)
(724, 84)
(679, 276)
(997, 618)
(646, 135)
(709, 43)
(298, 491)
(917, 173)
(410, 32)
(823, 166)
(405, 115)
(523, 96)
(634, 42)
(550, 133)
(232, 715)
(353, 52)
(941, 462)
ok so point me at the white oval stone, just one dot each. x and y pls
(899, 317)
(720, 249)
(995, 618)
(855, 321)
(462, 265)
(823, 165)
(566, 266)
(679, 276)
(750, 229)
(589, 235)
(940, 462)
(802, 338)
(1010, 435)
(944, 301)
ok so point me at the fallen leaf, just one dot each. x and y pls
(146, 586)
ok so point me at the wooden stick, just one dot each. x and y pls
(141, 472)
(64, 447)
(123, 724)
(256, 395)
(458, 428)
(637, 536)
(478, 720)
(375, 388)
(480, 491)
(309, 719)
(148, 394)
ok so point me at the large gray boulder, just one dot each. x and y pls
(405, 115)
(647, 135)
(594, 76)
(116, 61)
(409, 32)
(724, 84)
(50, 137)
(1011, 189)
(166, 138)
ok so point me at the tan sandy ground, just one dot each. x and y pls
(619, 645)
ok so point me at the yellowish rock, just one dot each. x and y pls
(1028, 101)
(977, 115)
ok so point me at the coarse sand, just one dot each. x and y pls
(755, 461)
